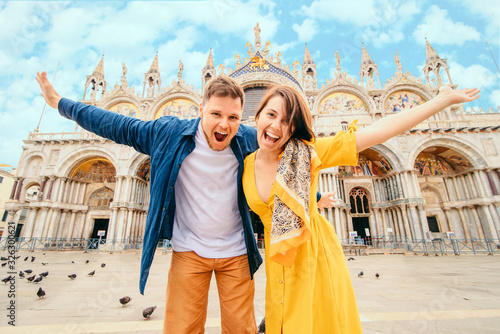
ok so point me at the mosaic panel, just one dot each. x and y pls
(182, 108)
(127, 109)
(342, 103)
(402, 100)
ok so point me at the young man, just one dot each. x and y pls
(197, 201)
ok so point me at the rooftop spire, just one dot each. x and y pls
(430, 54)
(155, 68)
(210, 61)
(365, 57)
(307, 56)
(99, 70)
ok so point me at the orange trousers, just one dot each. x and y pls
(187, 294)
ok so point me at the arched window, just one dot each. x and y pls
(359, 201)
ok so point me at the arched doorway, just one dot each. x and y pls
(360, 213)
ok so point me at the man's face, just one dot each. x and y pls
(220, 120)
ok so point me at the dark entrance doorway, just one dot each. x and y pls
(362, 225)
(18, 230)
(100, 225)
(433, 224)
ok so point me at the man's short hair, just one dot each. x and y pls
(223, 85)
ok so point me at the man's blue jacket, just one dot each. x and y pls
(168, 141)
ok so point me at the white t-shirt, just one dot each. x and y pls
(207, 220)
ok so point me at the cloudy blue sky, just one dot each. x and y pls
(37, 35)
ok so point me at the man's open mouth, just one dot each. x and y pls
(219, 136)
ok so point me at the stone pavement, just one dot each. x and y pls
(414, 294)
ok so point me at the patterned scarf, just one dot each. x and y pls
(290, 219)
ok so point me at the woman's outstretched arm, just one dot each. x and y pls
(388, 127)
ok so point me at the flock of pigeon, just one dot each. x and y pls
(361, 273)
(146, 313)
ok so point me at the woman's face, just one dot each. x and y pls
(273, 126)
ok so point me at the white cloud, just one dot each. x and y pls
(490, 11)
(440, 29)
(495, 98)
(360, 12)
(474, 75)
(306, 30)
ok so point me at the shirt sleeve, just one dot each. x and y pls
(339, 150)
(118, 128)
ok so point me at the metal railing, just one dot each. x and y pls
(386, 243)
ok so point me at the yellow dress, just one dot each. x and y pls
(315, 295)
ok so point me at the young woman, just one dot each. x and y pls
(308, 289)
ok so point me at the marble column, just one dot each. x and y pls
(477, 222)
(19, 189)
(14, 188)
(464, 223)
(472, 186)
(423, 221)
(112, 226)
(51, 233)
(62, 187)
(121, 222)
(406, 223)
(30, 222)
(491, 232)
(49, 191)
(62, 224)
(69, 232)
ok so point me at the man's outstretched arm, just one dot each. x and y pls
(118, 128)
(48, 92)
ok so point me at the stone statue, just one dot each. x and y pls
(399, 67)
(123, 79)
(256, 31)
(338, 61)
(181, 68)
(151, 89)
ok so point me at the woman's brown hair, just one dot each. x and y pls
(296, 109)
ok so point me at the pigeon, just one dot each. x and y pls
(3, 258)
(147, 312)
(377, 275)
(26, 258)
(72, 276)
(7, 279)
(4, 264)
(91, 273)
(45, 274)
(351, 259)
(45, 263)
(28, 271)
(40, 293)
(262, 326)
(21, 274)
(32, 258)
(87, 261)
(124, 300)
(361, 273)
(72, 261)
(103, 265)
(38, 279)
(30, 279)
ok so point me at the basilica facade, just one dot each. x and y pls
(439, 180)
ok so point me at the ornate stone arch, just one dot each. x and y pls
(24, 169)
(67, 164)
(418, 89)
(391, 156)
(345, 88)
(467, 149)
(163, 99)
(30, 183)
(125, 98)
(135, 162)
